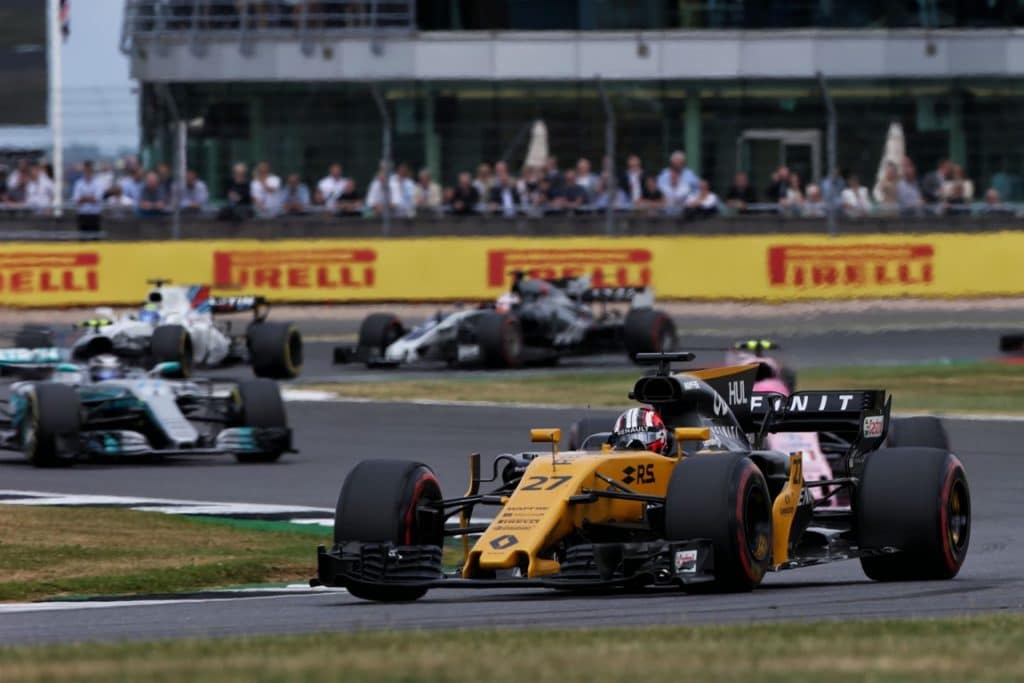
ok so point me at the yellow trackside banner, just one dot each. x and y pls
(761, 267)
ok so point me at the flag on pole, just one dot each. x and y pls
(65, 18)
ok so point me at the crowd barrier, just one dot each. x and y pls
(750, 267)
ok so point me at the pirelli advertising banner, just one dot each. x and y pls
(763, 267)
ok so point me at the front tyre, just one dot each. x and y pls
(380, 502)
(52, 422)
(500, 336)
(275, 349)
(173, 344)
(259, 405)
(723, 498)
(913, 508)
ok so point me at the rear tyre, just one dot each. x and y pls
(915, 500)
(275, 349)
(924, 431)
(648, 330)
(377, 332)
(581, 429)
(34, 337)
(52, 424)
(172, 343)
(259, 404)
(500, 337)
(723, 498)
(378, 504)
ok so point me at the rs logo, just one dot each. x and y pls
(644, 474)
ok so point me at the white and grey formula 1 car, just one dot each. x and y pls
(104, 409)
(537, 321)
(178, 323)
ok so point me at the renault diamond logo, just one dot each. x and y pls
(503, 542)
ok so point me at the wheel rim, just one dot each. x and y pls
(957, 517)
(756, 523)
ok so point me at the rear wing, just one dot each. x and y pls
(860, 415)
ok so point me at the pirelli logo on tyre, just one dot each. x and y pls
(606, 267)
(851, 265)
(49, 272)
(295, 269)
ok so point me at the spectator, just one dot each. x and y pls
(832, 196)
(621, 202)
(886, 189)
(528, 187)
(994, 204)
(404, 187)
(959, 180)
(675, 190)
(741, 193)
(586, 179)
(778, 188)
(793, 200)
(3, 185)
(194, 194)
(814, 203)
(350, 202)
(484, 180)
(264, 190)
(634, 179)
(504, 197)
(855, 200)
(908, 194)
(688, 179)
(163, 169)
(17, 194)
(131, 184)
(465, 196)
(19, 174)
(115, 199)
(40, 189)
(553, 175)
(239, 189)
(427, 195)
(87, 196)
(333, 186)
(933, 182)
(704, 203)
(153, 198)
(295, 196)
(375, 200)
(574, 197)
(652, 199)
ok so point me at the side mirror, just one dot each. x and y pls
(545, 435)
(170, 369)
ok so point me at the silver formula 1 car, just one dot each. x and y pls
(178, 323)
(537, 321)
(65, 411)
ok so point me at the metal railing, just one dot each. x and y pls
(244, 20)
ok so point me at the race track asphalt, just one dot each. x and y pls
(332, 437)
(345, 433)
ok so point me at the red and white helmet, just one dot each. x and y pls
(640, 428)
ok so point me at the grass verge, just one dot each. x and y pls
(53, 551)
(989, 648)
(973, 387)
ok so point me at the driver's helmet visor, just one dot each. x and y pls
(641, 438)
(100, 374)
(506, 302)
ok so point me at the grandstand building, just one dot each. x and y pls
(733, 82)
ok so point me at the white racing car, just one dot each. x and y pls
(178, 324)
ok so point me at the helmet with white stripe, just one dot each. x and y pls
(640, 429)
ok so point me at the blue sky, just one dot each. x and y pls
(99, 105)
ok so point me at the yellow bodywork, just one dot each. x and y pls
(784, 509)
(538, 513)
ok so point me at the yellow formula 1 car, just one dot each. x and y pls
(718, 511)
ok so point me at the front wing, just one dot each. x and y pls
(585, 566)
(235, 440)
